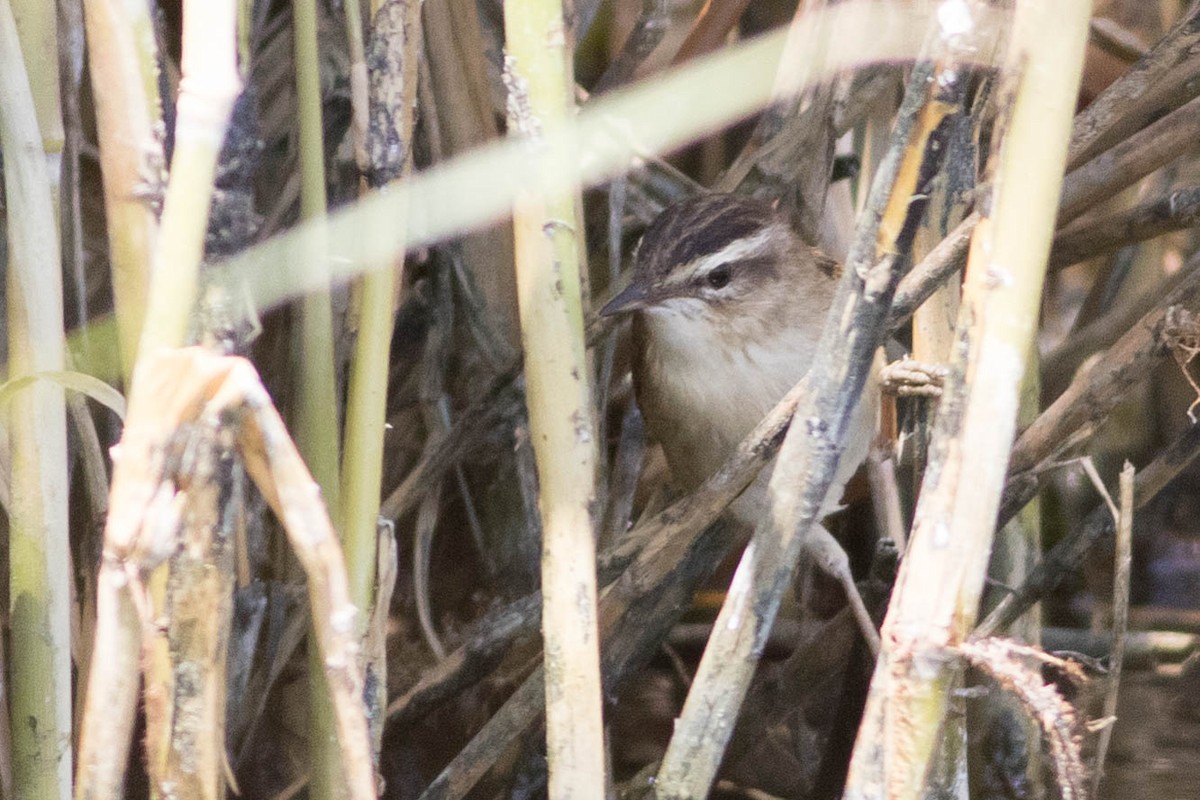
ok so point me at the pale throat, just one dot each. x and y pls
(723, 368)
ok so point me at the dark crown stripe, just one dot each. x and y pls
(700, 226)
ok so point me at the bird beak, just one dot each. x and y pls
(631, 298)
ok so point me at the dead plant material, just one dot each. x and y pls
(1092, 395)
(1007, 663)
(172, 390)
(1096, 235)
(1067, 556)
(1181, 334)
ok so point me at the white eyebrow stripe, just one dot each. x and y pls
(737, 250)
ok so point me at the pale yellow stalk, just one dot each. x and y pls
(39, 582)
(547, 231)
(124, 70)
(941, 580)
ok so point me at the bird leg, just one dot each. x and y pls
(825, 551)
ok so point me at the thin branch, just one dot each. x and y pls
(1090, 236)
(1116, 40)
(1130, 160)
(1120, 621)
(647, 32)
(1094, 393)
(1165, 78)
(1068, 555)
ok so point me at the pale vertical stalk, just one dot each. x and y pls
(208, 88)
(207, 92)
(124, 70)
(316, 413)
(39, 582)
(359, 100)
(1015, 553)
(37, 27)
(1122, 563)
(932, 337)
(941, 580)
(546, 234)
(316, 423)
(366, 397)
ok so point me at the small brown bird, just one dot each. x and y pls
(729, 304)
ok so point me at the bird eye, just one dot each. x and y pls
(718, 278)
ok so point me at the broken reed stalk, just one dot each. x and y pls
(123, 62)
(186, 389)
(809, 456)
(548, 241)
(39, 592)
(208, 88)
(942, 577)
(186, 719)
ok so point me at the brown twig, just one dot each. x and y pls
(172, 389)
(1129, 160)
(1059, 365)
(647, 32)
(1163, 79)
(1116, 40)
(708, 32)
(1092, 395)
(1092, 236)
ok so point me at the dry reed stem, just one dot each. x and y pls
(180, 387)
(551, 276)
(123, 62)
(39, 586)
(1123, 559)
(942, 577)
(1099, 234)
